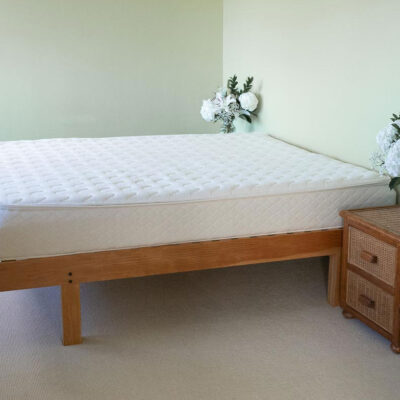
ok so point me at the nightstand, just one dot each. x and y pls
(370, 276)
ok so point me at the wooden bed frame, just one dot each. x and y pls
(70, 270)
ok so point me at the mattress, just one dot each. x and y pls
(64, 196)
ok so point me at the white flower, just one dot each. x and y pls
(208, 110)
(386, 137)
(248, 101)
(223, 101)
(378, 162)
(392, 162)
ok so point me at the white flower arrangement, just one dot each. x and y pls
(229, 103)
(387, 159)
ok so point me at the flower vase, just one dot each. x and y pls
(227, 128)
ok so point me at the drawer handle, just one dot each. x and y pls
(369, 257)
(366, 301)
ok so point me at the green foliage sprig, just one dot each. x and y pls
(233, 85)
(395, 181)
(247, 85)
(397, 127)
(395, 117)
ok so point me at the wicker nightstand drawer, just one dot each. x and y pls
(370, 275)
(370, 301)
(372, 255)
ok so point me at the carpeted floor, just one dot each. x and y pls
(257, 332)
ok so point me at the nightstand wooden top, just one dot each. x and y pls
(386, 218)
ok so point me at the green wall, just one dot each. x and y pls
(107, 67)
(328, 71)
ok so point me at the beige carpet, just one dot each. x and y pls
(257, 332)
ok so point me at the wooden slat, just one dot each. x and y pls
(107, 265)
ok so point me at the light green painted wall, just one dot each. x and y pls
(107, 67)
(328, 71)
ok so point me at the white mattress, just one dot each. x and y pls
(63, 196)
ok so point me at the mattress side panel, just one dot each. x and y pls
(28, 233)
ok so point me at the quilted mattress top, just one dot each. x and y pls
(171, 168)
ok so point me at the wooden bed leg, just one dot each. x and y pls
(334, 278)
(71, 313)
